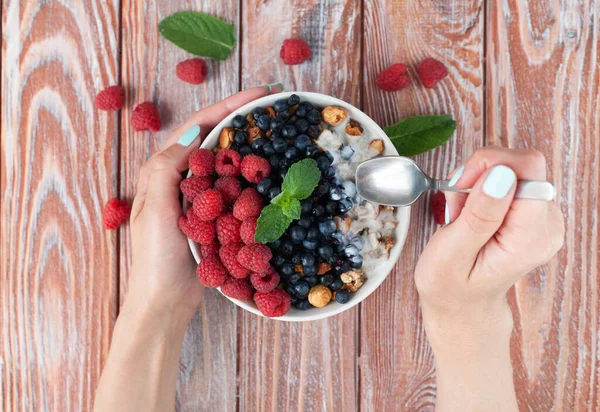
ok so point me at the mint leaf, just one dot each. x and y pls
(418, 134)
(301, 179)
(290, 206)
(199, 34)
(271, 224)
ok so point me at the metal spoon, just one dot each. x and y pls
(398, 181)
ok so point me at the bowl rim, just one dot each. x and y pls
(402, 214)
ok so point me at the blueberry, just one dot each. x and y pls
(325, 251)
(264, 122)
(275, 134)
(302, 142)
(284, 114)
(330, 207)
(329, 156)
(356, 261)
(335, 193)
(351, 250)
(264, 185)
(327, 279)
(314, 117)
(303, 304)
(327, 227)
(349, 188)
(344, 206)
(312, 234)
(287, 269)
(287, 248)
(307, 205)
(294, 278)
(304, 223)
(279, 145)
(311, 150)
(358, 241)
(308, 105)
(240, 138)
(289, 131)
(280, 104)
(309, 244)
(274, 191)
(311, 280)
(293, 99)
(274, 161)
(275, 244)
(235, 147)
(282, 173)
(291, 153)
(298, 233)
(302, 125)
(297, 259)
(258, 144)
(322, 189)
(318, 211)
(336, 284)
(278, 260)
(290, 290)
(239, 122)
(301, 111)
(313, 131)
(277, 123)
(342, 296)
(323, 162)
(257, 112)
(301, 289)
(332, 259)
(284, 164)
(309, 270)
(245, 150)
(329, 173)
(347, 152)
(268, 149)
(308, 259)
(344, 267)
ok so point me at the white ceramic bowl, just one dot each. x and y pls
(376, 276)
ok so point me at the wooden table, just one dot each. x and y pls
(521, 74)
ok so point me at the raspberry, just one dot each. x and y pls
(294, 51)
(254, 168)
(431, 71)
(229, 187)
(210, 249)
(227, 162)
(237, 289)
(249, 204)
(202, 162)
(211, 272)
(228, 254)
(265, 283)
(115, 213)
(199, 231)
(247, 230)
(438, 207)
(208, 204)
(255, 257)
(393, 78)
(228, 229)
(191, 71)
(145, 117)
(194, 185)
(273, 303)
(111, 98)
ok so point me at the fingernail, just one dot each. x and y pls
(188, 137)
(456, 176)
(499, 181)
(447, 215)
(270, 86)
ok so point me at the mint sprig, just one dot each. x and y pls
(418, 134)
(298, 184)
(199, 33)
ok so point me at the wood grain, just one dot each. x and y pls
(396, 363)
(58, 167)
(543, 91)
(310, 366)
(208, 367)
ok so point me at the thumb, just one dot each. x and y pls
(166, 169)
(484, 210)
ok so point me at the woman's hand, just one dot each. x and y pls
(468, 266)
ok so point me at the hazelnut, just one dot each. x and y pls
(323, 268)
(270, 111)
(253, 134)
(353, 128)
(353, 279)
(298, 269)
(377, 145)
(319, 296)
(388, 243)
(333, 115)
(226, 138)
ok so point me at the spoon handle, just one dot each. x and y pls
(526, 189)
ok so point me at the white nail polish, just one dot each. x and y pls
(456, 176)
(447, 215)
(499, 181)
(188, 137)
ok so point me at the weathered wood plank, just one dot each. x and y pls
(58, 167)
(543, 91)
(307, 366)
(208, 367)
(396, 364)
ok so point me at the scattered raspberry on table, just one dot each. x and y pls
(111, 98)
(431, 71)
(115, 213)
(145, 117)
(295, 51)
(192, 71)
(393, 78)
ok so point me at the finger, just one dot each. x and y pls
(164, 170)
(484, 211)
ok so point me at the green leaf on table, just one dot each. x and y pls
(199, 33)
(418, 134)
(301, 179)
(271, 224)
(290, 206)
